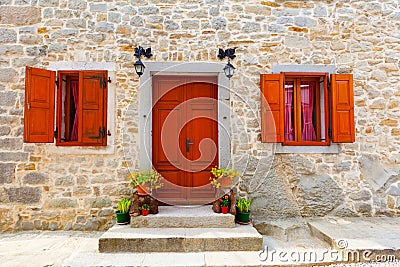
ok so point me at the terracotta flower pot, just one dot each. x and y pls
(145, 212)
(143, 190)
(224, 209)
(225, 182)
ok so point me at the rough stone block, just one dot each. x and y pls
(8, 74)
(7, 173)
(251, 27)
(65, 181)
(13, 156)
(49, 3)
(27, 226)
(8, 50)
(10, 143)
(98, 7)
(8, 99)
(219, 23)
(129, 10)
(76, 23)
(8, 36)
(5, 130)
(81, 191)
(171, 25)
(317, 195)
(62, 203)
(34, 178)
(100, 202)
(148, 10)
(77, 4)
(104, 27)
(20, 15)
(24, 195)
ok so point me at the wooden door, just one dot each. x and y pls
(185, 137)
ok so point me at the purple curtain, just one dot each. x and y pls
(307, 106)
(289, 129)
(75, 90)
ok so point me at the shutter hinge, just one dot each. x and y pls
(56, 133)
(57, 83)
(103, 132)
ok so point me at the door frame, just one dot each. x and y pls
(189, 69)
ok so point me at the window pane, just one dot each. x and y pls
(289, 111)
(308, 116)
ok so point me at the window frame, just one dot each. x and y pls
(310, 75)
(59, 104)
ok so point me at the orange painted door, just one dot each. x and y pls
(185, 137)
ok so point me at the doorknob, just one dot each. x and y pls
(188, 143)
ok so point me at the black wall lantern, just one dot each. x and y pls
(139, 52)
(229, 69)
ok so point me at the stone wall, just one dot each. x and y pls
(41, 189)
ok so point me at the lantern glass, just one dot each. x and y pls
(229, 70)
(139, 67)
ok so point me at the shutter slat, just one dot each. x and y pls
(39, 106)
(343, 129)
(272, 108)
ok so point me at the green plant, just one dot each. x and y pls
(124, 205)
(224, 201)
(243, 205)
(145, 207)
(150, 178)
(218, 173)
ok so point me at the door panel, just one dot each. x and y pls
(185, 137)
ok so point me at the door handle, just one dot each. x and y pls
(188, 143)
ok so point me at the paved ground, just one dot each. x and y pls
(81, 248)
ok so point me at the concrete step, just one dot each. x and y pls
(122, 238)
(184, 217)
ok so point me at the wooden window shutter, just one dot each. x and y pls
(93, 108)
(343, 130)
(39, 106)
(272, 108)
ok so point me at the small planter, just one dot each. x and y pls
(243, 217)
(224, 209)
(225, 182)
(143, 190)
(122, 217)
(145, 212)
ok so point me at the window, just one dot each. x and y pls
(298, 109)
(81, 107)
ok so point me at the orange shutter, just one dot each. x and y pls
(39, 106)
(272, 108)
(343, 130)
(93, 111)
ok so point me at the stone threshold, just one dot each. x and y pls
(184, 217)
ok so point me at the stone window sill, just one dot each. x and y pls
(332, 149)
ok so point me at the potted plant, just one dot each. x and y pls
(242, 211)
(223, 177)
(225, 204)
(146, 181)
(123, 211)
(145, 209)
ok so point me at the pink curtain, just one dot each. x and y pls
(307, 106)
(289, 129)
(75, 90)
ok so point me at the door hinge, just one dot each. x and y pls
(56, 133)
(57, 83)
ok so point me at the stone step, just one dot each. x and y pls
(184, 217)
(284, 229)
(122, 238)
